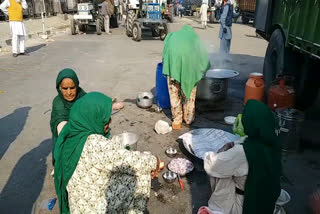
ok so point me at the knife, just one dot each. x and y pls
(180, 181)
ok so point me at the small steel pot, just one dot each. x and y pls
(169, 176)
(145, 99)
(171, 152)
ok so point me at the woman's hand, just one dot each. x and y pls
(226, 147)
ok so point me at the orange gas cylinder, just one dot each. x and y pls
(281, 96)
(254, 87)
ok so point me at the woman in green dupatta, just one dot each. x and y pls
(184, 62)
(69, 91)
(67, 85)
(245, 178)
(94, 174)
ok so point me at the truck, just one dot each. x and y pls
(247, 10)
(292, 28)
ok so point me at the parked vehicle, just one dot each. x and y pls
(293, 31)
(247, 10)
(88, 15)
(147, 17)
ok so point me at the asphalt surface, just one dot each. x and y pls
(117, 66)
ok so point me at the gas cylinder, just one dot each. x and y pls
(281, 96)
(254, 87)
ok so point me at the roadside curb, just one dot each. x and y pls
(39, 34)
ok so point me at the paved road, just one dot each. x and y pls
(121, 68)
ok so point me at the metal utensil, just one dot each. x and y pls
(145, 99)
(169, 176)
(214, 84)
(130, 140)
(114, 112)
(180, 182)
(171, 152)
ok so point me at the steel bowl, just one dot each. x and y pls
(169, 176)
(130, 140)
(171, 152)
(145, 99)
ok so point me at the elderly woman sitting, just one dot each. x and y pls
(69, 91)
(95, 174)
(246, 178)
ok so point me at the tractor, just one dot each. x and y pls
(88, 14)
(147, 17)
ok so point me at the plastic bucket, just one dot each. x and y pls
(162, 92)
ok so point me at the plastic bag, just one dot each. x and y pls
(162, 127)
(200, 141)
(238, 127)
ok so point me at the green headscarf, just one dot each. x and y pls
(60, 106)
(263, 152)
(184, 58)
(88, 116)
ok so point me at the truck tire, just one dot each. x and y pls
(274, 59)
(99, 23)
(163, 32)
(130, 22)
(73, 26)
(136, 32)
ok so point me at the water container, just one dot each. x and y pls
(162, 92)
(254, 87)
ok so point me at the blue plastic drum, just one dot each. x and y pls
(162, 92)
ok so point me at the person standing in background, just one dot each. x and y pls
(120, 10)
(14, 8)
(116, 14)
(204, 14)
(225, 33)
(106, 12)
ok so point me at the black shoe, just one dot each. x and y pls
(24, 54)
(14, 55)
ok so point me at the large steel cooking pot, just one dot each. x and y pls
(214, 84)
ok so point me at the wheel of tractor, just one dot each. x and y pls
(73, 26)
(99, 25)
(132, 16)
(274, 58)
(245, 20)
(136, 32)
(163, 32)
